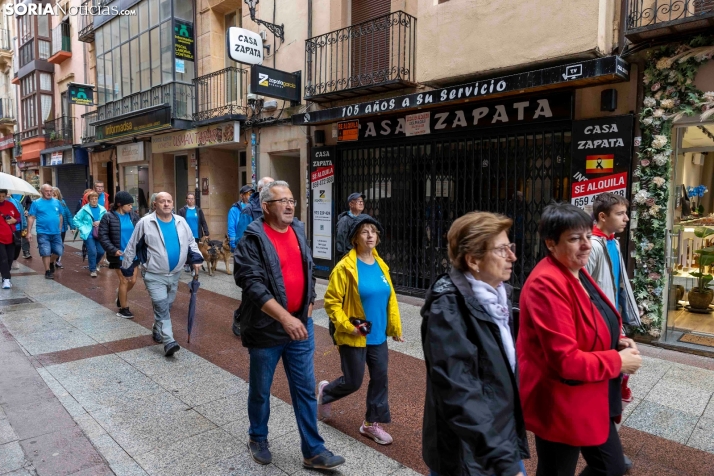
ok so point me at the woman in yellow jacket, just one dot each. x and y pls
(362, 306)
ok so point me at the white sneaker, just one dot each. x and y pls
(6, 284)
(15, 265)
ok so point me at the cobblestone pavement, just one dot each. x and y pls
(85, 392)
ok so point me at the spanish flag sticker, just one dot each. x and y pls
(599, 164)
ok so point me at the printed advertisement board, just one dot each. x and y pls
(322, 178)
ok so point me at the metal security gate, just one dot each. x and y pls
(417, 187)
(72, 180)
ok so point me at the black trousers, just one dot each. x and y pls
(353, 360)
(558, 459)
(7, 252)
(17, 235)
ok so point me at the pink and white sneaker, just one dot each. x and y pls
(324, 410)
(377, 433)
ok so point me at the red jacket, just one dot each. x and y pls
(562, 338)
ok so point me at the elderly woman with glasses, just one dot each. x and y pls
(473, 423)
(571, 353)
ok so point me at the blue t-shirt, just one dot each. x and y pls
(101, 200)
(173, 248)
(192, 220)
(615, 260)
(374, 292)
(47, 215)
(127, 228)
(95, 212)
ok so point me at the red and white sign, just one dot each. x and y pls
(417, 124)
(583, 193)
(322, 175)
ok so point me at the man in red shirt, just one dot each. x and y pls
(9, 216)
(273, 267)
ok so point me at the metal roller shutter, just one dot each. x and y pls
(72, 180)
(370, 42)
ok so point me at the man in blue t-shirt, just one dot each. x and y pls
(163, 242)
(47, 212)
(196, 220)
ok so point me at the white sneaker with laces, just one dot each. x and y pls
(377, 433)
(6, 284)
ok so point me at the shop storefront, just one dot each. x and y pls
(429, 158)
(68, 166)
(133, 160)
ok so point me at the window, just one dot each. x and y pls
(153, 12)
(43, 26)
(133, 25)
(26, 28)
(107, 37)
(144, 16)
(116, 74)
(108, 82)
(29, 113)
(123, 28)
(99, 40)
(100, 79)
(164, 9)
(125, 66)
(115, 33)
(145, 65)
(46, 81)
(134, 56)
(183, 10)
(44, 48)
(167, 56)
(46, 107)
(27, 85)
(155, 58)
(63, 104)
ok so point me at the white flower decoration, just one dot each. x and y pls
(641, 196)
(667, 103)
(658, 112)
(647, 121)
(650, 101)
(659, 181)
(659, 141)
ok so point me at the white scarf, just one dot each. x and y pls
(495, 302)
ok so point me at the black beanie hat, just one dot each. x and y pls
(123, 198)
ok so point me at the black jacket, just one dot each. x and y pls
(110, 234)
(256, 269)
(342, 240)
(473, 422)
(202, 225)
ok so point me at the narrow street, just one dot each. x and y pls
(85, 392)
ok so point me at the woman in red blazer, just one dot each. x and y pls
(571, 354)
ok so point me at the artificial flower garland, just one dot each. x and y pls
(669, 95)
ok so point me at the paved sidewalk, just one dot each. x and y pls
(140, 413)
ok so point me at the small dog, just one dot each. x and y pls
(214, 251)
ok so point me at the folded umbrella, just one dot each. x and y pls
(84, 251)
(15, 185)
(193, 286)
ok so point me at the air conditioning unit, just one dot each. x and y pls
(270, 105)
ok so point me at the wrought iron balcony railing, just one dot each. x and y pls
(61, 39)
(59, 131)
(221, 96)
(179, 96)
(5, 40)
(86, 22)
(656, 18)
(88, 128)
(7, 110)
(374, 56)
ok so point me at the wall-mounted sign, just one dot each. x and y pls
(80, 94)
(56, 158)
(133, 152)
(601, 158)
(322, 177)
(244, 46)
(509, 111)
(151, 121)
(7, 142)
(180, 66)
(224, 133)
(275, 84)
(347, 131)
(204, 186)
(610, 68)
(184, 42)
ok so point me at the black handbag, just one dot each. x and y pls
(686, 204)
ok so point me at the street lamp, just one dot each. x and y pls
(276, 30)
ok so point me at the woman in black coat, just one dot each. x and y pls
(115, 230)
(473, 424)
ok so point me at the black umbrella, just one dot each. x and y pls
(84, 251)
(193, 287)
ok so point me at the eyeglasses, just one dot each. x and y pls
(284, 201)
(502, 251)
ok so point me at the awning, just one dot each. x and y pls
(609, 69)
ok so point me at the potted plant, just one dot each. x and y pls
(701, 296)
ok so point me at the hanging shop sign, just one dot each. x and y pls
(184, 42)
(275, 83)
(601, 158)
(151, 121)
(347, 131)
(56, 158)
(7, 142)
(322, 178)
(80, 94)
(244, 46)
(543, 108)
(608, 69)
(133, 152)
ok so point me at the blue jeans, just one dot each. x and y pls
(299, 367)
(94, 251)
(162, 291)
(49, 244)
(523, 470)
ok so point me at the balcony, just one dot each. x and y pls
(86, 22)
(5, 47)
(7, 111)
(371, 57)
(651, 19)
(61, 44)
(59, 132)
(88, 128)
(179, 96)
(221, 96)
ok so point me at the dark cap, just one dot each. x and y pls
(123, 198)
(246, 189)
(355, 196)
(360, 220)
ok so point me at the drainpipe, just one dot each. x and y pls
(308, 62)
(197, 191)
